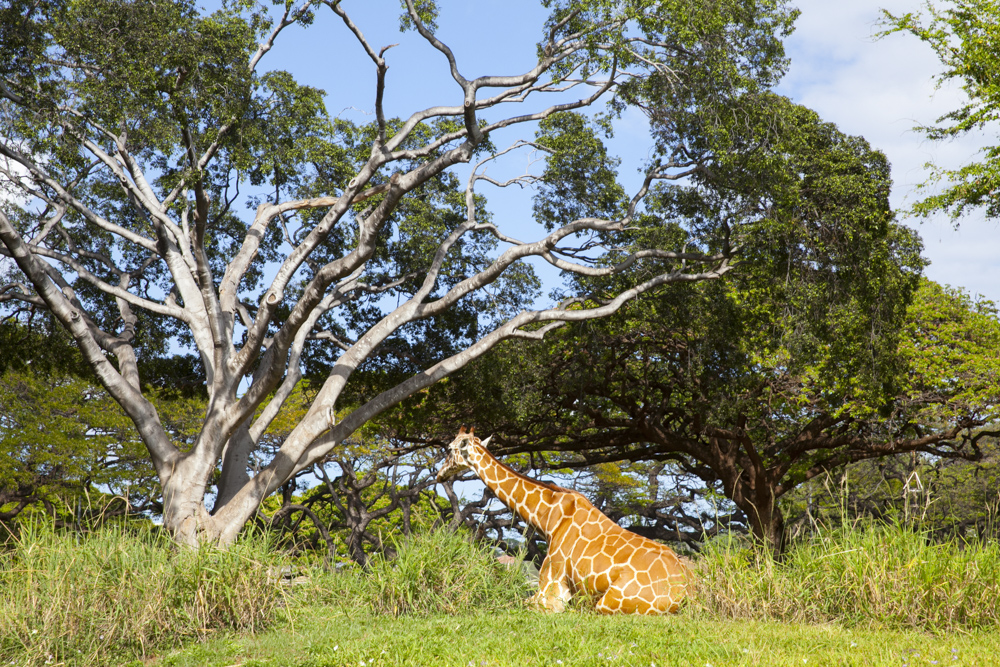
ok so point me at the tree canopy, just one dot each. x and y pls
(823, 348)
(166, 193)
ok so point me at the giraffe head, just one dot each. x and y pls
(457, 460)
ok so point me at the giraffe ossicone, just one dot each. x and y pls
(588, 552)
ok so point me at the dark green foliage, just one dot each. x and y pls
(580, 179)
(736, 44)
(787, 366)
(44, 346)
(22, 39)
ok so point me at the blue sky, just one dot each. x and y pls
(488, 37)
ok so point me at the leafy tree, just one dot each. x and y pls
(132, 131)
(370, 499)
(965, 38)
(642, 394)
(949, 346)
(64, 442)
(801, 362)
(942, 497)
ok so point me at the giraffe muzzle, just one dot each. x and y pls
(449, 469)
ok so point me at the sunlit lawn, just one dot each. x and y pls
(324, 636)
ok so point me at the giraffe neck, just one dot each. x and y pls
(532, 500)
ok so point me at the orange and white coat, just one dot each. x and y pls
(588, 552)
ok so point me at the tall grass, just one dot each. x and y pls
(118, 593)
(873, 575)
(436, 572)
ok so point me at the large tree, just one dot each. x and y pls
(669, 383)
(132, 132)
(809, 357)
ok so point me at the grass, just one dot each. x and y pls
(879, 595)
(119, 593)
(327, 637)
(433, 573)
(886, 576)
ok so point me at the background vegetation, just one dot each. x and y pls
(816, 430)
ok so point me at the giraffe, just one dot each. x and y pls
(588, 552)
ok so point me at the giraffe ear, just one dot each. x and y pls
(486, 442)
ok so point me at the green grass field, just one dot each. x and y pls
(875, 595)
(321, 636)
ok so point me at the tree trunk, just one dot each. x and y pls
(356, 549)
(767, 523)
(185, 516)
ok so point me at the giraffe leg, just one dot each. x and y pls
(553, 591)
(615, 601)
(626, 595)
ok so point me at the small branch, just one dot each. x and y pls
(437, 44)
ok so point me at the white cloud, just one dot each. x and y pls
(881, 89)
